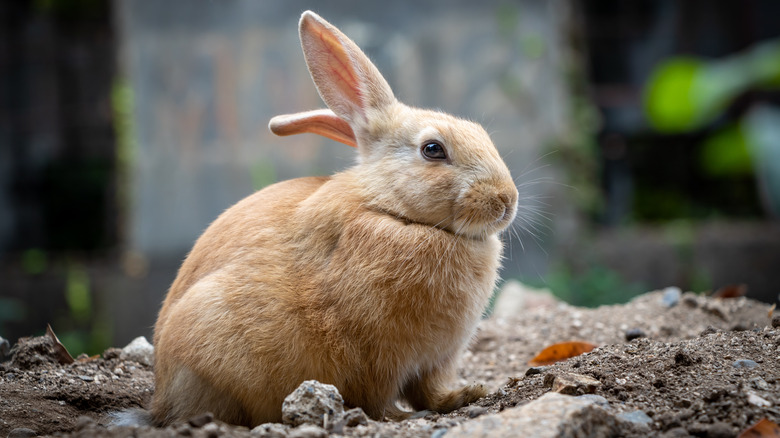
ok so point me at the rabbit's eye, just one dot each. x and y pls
(434, 151)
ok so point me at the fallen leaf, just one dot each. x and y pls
(772, 309)
(561, 351)
(63, 356)
(762, 429)
(731, 291)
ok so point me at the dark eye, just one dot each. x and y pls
(434, 151)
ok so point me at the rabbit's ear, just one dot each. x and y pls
(322, 122)
(346, 79)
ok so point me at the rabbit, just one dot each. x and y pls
(373, 279)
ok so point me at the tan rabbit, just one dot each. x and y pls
(373, 279)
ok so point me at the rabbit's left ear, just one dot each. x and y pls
(322, 122)
(346, 79)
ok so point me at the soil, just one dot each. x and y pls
(700, 367)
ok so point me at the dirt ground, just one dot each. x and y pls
(695, 366)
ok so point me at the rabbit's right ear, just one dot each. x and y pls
(345, 78)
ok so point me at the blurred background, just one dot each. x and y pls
(644, 135)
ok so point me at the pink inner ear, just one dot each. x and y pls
(340, 65)
(321, 122)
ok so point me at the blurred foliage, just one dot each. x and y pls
(685, 93)
(593, 287)
(726, 152)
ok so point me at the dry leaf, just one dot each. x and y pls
(560, 351)
(762, 429)
(731, 291)
(772, 310)
(61, 352)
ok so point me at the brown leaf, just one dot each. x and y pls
(731, 291)
(762, 429)
(772, 310)
(63, 356)
(560, 351)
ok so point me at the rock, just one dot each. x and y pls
(635, 417)
(308, 431)
(776, 321)
(311, 403)
(22, 432)
(744, 363)
(139, 350)
(201, 420)
(634, 333)
(536, 370)
(571, 383)
(595, 399)
(351, 418)
(710, 330)
(671, 296)
(685, 358)
(552, 415)
(269, 430)
(755, 400)
(475, 411)
(211, 430)
(5, 348)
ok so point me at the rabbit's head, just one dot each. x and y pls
(420, 166)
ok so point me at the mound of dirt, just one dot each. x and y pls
(694, 366)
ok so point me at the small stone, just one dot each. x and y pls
(112, 353)
(744, 363)
(671, 296)
(475, 411)
(139, 350)
(351, 418)
(755, 400)
(269, 430)
(595, 399)
(636, 417)
(439, 433)
(310, 403)
(536, 370)
(571, 383)
(308, 431)
(22, 432)
(759, 383)
(741, 327)
(211, 430)
(87, 378)
(634, 333)
(5, 348)
(201, 420)
(776, 321)
(710, 330)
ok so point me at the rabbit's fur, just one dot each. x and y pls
(373, 279)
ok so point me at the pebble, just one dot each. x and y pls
(5, 348)
(22, 432)
(308, 431)
(310, 403)
(636, 417)
(671, 296)
(269, 430)
(536, 370)
(634, 333)
(595, 399)
(139, 350)
(755, 400)
(571, 383)
(351, 418)
(475, 411)
(744, 363)
(776, 321)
